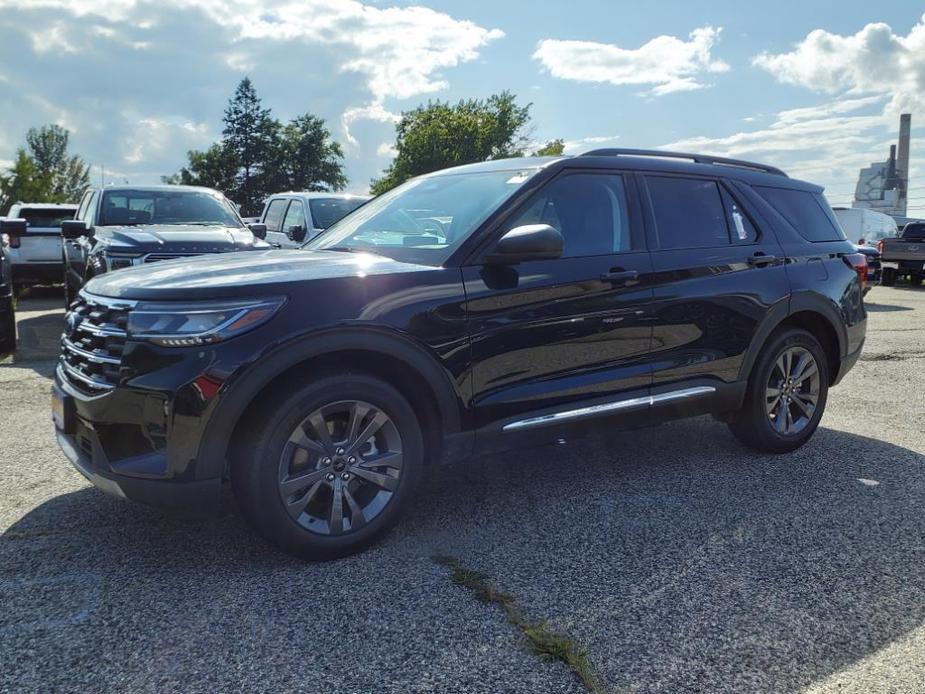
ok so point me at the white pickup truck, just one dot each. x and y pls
(293, 218)
(36, 256)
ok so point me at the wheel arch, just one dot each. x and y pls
(405, 365)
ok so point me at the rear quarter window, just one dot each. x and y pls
(807, 212)
(914, 231)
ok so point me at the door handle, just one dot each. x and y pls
(760, 259)
(618, 274)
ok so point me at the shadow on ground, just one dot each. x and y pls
(681, 561)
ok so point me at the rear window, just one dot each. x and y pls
(806, 212)
(914, 231)
(45, 219)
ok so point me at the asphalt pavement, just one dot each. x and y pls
(680, 561)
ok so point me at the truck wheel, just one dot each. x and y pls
(786, 394)
(330, 466)
(915, 279)
(8, 331)
(888, 277)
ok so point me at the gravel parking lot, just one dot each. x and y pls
(679, 560)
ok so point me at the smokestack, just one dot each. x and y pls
(902, 161)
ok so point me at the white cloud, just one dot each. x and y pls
(584, 143)
(152, 136)
(386, 149)
(667, 63)
(875, 60)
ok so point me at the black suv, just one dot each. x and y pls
(470, 310)
(121, 226)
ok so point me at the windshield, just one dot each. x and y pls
(326, 211)
(136, 207)
(424, 220)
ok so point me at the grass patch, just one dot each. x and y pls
(544, 642)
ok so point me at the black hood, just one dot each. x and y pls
(193, 238)
(257, 273)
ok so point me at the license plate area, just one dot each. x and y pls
(62, 410)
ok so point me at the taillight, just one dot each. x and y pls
(11, 241)
(880, 246)
(858, 262)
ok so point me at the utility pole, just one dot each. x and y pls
(902, 162)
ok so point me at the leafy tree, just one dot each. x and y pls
(439, 135)
(45, 172)
(258, 155)
(553, 148)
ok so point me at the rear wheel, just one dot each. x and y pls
(331, 467)
(888, 277)
(915, 279)
(786, 394)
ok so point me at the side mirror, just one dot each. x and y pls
(75, 228)
(528, 242)
(296, 233)
(13, 227)
(258, 230)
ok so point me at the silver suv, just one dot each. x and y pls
(36, 255)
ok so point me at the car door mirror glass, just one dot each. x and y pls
(527, 242)
(75, 228)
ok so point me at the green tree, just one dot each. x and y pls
(44, 171)
(22, 183)
(553, 148)
(258, 155)
(439, 135)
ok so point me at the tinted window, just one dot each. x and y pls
(914, 231)
(689, 212)
(274, 216)
(806, 212)
(326, 211)
(49, 219)
(589, 210)
(294, 216)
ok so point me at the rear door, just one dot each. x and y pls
(273, 217)
(550, 334)
(76, 250)
(717, 277)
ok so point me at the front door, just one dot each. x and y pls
(548, 335)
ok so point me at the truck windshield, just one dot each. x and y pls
(914, 231)
(136, 207)
(326, 211)
(425, 219)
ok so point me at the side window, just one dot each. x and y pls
(295, 216)
(274, 216)
(89, 211)
(810, 216)
(740, 226)
(589, 210)
(84, 202)
(689, 212)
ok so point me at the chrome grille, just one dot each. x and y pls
(156, 257)
(92, 343)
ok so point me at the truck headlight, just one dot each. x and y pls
(187, 324)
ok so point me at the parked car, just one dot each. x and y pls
(292, 218)
(36, 254)
(865, 227)
(614, 289)
(122, 226)
(873, 265)
(904, 256)
(7, 300)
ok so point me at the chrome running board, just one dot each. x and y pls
(607, 407)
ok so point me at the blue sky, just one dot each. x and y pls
(815, 87)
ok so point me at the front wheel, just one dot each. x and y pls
(330, 467)
(786, 394)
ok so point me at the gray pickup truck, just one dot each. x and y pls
(904, 255)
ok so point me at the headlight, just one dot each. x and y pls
(175, 324)
(117, 262)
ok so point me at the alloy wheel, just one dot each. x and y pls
(340, 467)
(792, 392)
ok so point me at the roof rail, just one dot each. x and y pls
(697, 158)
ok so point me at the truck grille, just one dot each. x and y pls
(92, 343)
(156, 257)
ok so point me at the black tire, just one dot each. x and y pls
(753, 425)
(888, 277)
(257, 468)
(915, 280)
(8, 331)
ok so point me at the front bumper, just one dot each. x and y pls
(917, 265)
